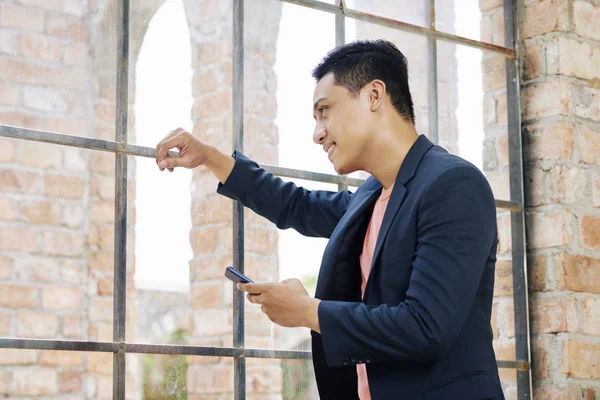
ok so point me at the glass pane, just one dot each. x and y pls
(181, 240)
(166, 376)
(56, 241)
(414, 48)
(284, 42)
(472, 111)
(410, 11)
(280, 379)
(58, 64)
(273, 255)
(474, 19)
(175, 80)
(49, 373)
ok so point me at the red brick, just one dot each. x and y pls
(5, 326)
(213, 105)
(40, 212)
(54, 358)
(99, 362)
(506, 315)
(39, 155)
(535, 181)
(65, 186)
(544, 16)
(61, 298)
(106, 286)
(67, 27)
(596, 191)
(102, 211)
(18, 357)
(66, 78)
(51, 5)
(567, 184)
(46, 99)
(554, 314)
(6, 209)
(551, 228)
(549, 98)
(67, 126)
(589, 228)
(586, 103)
(494, 321)
(577, 273)
(21, 71)
(503, 285)
(40, 47)
(7, 152)
(212, 52)
(264, 380)
(591, 316)
(14, 181)
(102, 237)
(70, 381)
(22, 18)
(572, 58)
(582, 359)
(102, 261)
(589, 145)
(502, 119)
(71, 271)
(21, 118)
(36, 269)
(75, 54)
(202, 380)
(207, 295)
(18, 239)
(72, 326)
(75, 7)
(540, 359)
(208, 240)
(63, 243)
(548, 141)
(586, 17)
(35, 382)
(101, 310)
(505, 351)
(553, 392)
(532, 61)
(9, 94)
(32, 324)
(72, 216)
(5, 267)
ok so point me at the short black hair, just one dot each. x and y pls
(356, 64)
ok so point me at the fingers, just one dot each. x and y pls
(163, 147)
(254, 288)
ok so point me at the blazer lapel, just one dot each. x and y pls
(406, 173)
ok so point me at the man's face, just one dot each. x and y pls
(343, 124)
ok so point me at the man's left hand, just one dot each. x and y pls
(286, 303)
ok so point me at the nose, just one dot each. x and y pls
(319, 134)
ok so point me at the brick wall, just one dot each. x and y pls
(560, 75)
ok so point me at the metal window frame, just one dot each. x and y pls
(119, 347)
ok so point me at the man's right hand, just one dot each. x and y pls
(192, 153)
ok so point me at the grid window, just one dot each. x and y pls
(111, 273)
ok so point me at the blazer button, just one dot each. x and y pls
(353, 359)
(345, 361)
(368, 359)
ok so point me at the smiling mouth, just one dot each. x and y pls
(330, 151)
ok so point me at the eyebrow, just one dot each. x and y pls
(317, 103)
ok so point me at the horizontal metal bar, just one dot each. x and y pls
(509, 205)
(403, 26)
(138, 348)
(312, 176)
(45, 344)
(140, 151)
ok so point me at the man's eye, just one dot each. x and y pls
(321, 110)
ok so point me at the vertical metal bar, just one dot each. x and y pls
(239, 363)
(432, 86)
(515, 155)
(120, 260)
(340, 39)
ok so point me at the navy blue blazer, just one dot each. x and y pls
(423, 327)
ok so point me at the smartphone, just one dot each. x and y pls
(236, 276)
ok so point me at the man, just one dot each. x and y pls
(404, 296)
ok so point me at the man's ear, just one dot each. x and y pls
(377, 91)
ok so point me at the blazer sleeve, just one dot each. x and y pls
(311, 213)
(456, 229)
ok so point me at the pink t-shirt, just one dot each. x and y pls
(366, 258)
